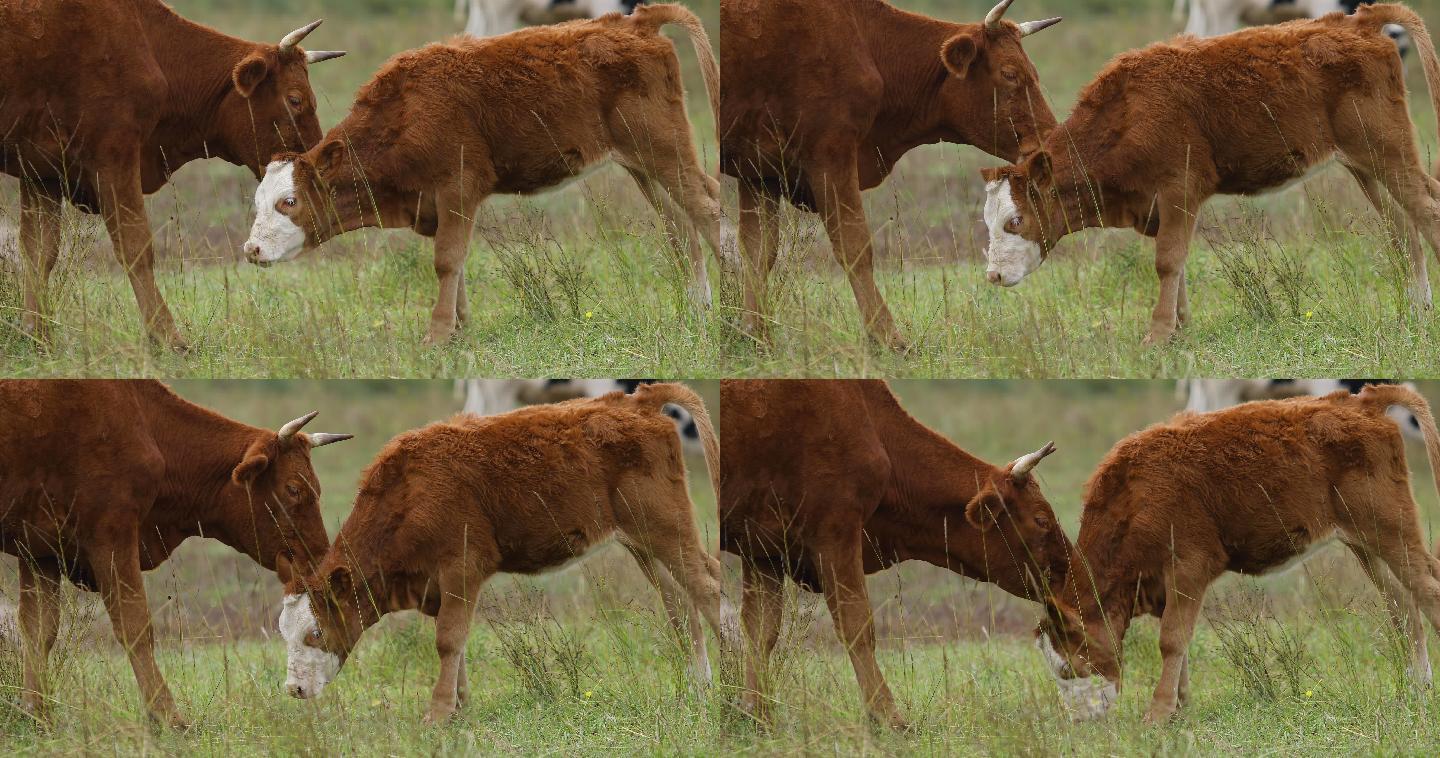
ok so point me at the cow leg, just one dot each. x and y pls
(123, 205)
(1182, 692)
(1400, 607)
(117, 574)
(759, 244)
(452, 244)
(1172, 247)
(459, 591)
(684, 624)
(1405, 232)
(39, 625)
(761, 610)
(40, 245)
(843, 578)
(837, 196)
(683, 235)
(1183, 599)
(1402, 550)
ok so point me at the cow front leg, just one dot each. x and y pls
(1183, 599)
(459, 590)
(122, 203)
(762, 607)
(40, 246)
(39, 625)
(1172, 247)
(117, 572)
(836, 185)
(843, 576)
(452, 245)
(759, 245)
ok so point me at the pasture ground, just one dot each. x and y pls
(581, 662)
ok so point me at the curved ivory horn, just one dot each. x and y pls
(320, 56)
(992, 19)
(289, 41)
(1022, 465)
(1030, 27)
(320, 439)
(287, 431)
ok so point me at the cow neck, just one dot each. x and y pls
(1110, 601)
(931, 478)
(905, 47)
(198, 64)
(201, 449)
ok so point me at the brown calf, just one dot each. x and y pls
(822, 98)
(1163, 129)
(1251, 489)
(102, 480)
(102, 100)
(440, 129)
(444, 508)
(827, 481)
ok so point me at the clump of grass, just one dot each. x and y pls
(1268, 657)
(1269, 279)
(551, 281)
(550, 658)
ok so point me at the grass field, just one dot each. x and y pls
(581, 662)
(580, 282)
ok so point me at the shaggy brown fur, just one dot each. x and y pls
(822, 98)
(102, 480)
(102, 100)
(1163, 129)
(827, 481)
(1248, 489)
(440, 129)
(443, 508)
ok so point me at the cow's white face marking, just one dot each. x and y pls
(307, 669)
(1086, 698)
(273, 236)
(1009, 255)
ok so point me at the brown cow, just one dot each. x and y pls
(441, 128)
(827, 481)
(102, 100)
(1163, 129)
(1251, 489)
(102, 480)
(822, 98)
(444, 508)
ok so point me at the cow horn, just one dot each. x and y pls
(292, 39)
(320, 56)
(287, 431)
(1022, 465)
(992, 19)
(319, 439)
(1030, 27)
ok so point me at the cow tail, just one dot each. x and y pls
(657, 396)
(653, 17)
(1383, 396)
(1424, 46)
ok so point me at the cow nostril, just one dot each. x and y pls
(993, 276)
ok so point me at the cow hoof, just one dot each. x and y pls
(437, 337)
(1158, 715)
(1156, 339)
(438, 715)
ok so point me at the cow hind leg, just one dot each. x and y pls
(761, 612)
(1403, 552)
(459, 591)
(40, 247)
(684, 622)
(1401, 609)
(1399, 225)
(683, 235)
(117, 574)
(39, 625)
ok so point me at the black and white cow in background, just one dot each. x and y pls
(487, 397)
(1209, 18)
(487, 18)
(1204, 395)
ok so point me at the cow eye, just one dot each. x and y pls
(294, 101)
(293, 490)
(315, 634)
(1013, 225)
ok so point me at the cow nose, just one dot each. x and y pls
(296, 690)
(993, 277)
(252, 252)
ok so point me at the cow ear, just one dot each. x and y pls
(990, 174)
(1038, 168)
(252, 465)
(249, 73)
(959, 52)
(983, 509)
(283, 570)
(329, 155)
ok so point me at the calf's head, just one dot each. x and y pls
(1029, 551)
(305, 199)
(273, 512)
(270, 107)
(1082, 656)
(321, 619)
(992, 97)
(1025, 215)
